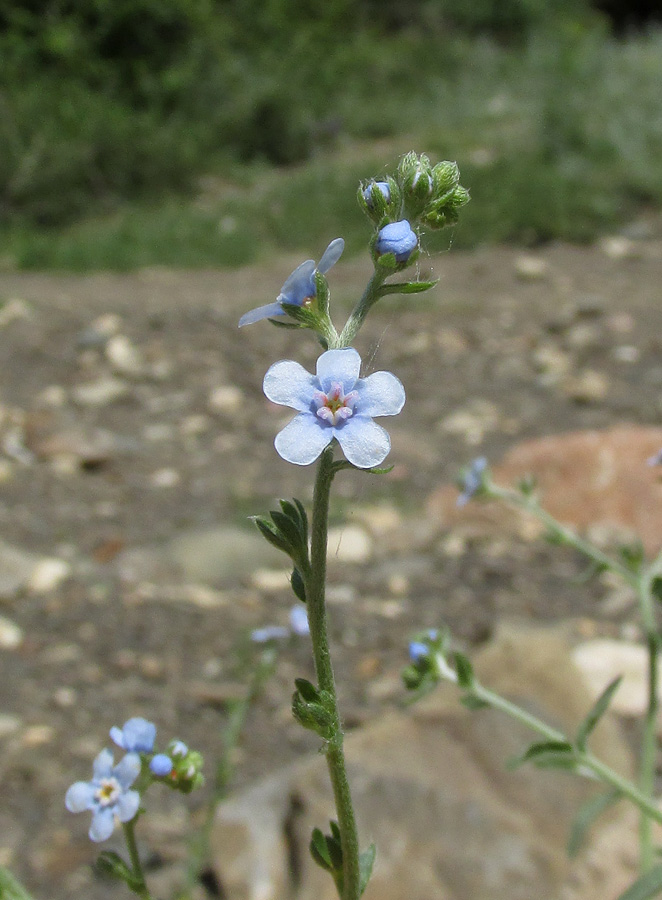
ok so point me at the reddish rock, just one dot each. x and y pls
(584, 478)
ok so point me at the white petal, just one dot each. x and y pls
(127, 770)
(261, 312)
(79, 797)
(364, 442)
(380, 394)
(302, 441)
(103, 823)
(339, 365)
(288, 383)
(127, 806)
(103, 764)
(331, 255)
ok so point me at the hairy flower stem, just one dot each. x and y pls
(370, 295)
(315, 584)
(139, 887)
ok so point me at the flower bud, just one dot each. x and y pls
(397, 238)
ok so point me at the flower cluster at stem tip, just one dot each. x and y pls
(334, 404)
(112, 795)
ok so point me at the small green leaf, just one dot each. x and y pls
(10, 888)
(271, 533)
(586, 816)
(596, 712)
(379, 470)
(111, 865)
(335, 829)
(307, 690)
(298, 585)
(287, 529)
(656, 588)
(407, 287)
(303, 516)
(366, 862)
(472, 702)
(465, 672)
(319, 850)
(544, 749)
(649, 885)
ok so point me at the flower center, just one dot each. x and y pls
(108, 792)
(335, 406)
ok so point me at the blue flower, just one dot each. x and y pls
(136, 736)
(160, 765)
(656, 460)
(473, 480)
(269, 633)
(299, 287)
(334, 403)
(382, 186)
(397, 238)
(107, 795)
(418, 651)
(299, 620)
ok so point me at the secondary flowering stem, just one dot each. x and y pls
(315, 584)
(140, 887)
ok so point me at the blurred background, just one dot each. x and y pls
(213, 132)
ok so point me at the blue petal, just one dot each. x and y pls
(364, 442)
(102, 767)
(299, 285)
(127, 806)
(302, 441)
(261, 312)
(331, 255)
(127, 770)
(289, 384)
(397, 238)
(299, 620)
(80, 797)
(339, 366)
(103, 824)
(138, 735)
(160, 765)
(380, 394)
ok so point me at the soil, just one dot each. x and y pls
(113, 449)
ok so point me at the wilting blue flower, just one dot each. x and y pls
(107, 795)
(656, 460)
(397, 238)
(473, 480)
(160, 765)
(382, 186)
(136, 736)
(334, 403)
(299, 287)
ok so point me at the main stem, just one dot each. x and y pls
(130, 837)
(315, 583)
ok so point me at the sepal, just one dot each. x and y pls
(313, 709)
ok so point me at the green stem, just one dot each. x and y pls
(315, 584)
(360, 311)
(140, 887)
(584, 758)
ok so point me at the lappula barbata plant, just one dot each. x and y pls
(433, 659)
(334, 424)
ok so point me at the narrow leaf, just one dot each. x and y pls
(544, 748)
(586, 816)
(366, 862)
(293, 512)
(269, 531)
(407, 287)
(111, 865)
(308, 691)
(298, 586)
(319, 851)
(10, 888)
(302, 515)
(472, 702)
(287, 528)
(335, 852)
(649, 885)
(465, 672)
(596, 712)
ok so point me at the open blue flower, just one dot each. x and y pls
(107, 795)
(136, 735)
(397, 238)
(334, 403)
(299, 287)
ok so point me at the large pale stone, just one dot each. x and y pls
(583, 478)
(432, 790)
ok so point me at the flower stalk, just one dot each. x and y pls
(138, 883)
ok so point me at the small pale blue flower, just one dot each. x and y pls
(136, 735)
(656, 460)
(397, 238)
(299, 620)
(382, 186)
(107, 795)
(418, 651)
(334, 403)
(473, 480)
(269, 633)
(160, 765)
(299, 287)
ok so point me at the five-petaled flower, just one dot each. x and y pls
(397, 238)
(334, 403)
(136, 735)
(107, 795)
(300, 287)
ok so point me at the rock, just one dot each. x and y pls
(602, 660)
(587, 387)
(47, 574)
(584, 478)
(11, 636)
(12, 310)
(531, 268)
(16, 567)
(124, 357)
(8, 725)
(432, 789)
(617, 247)
(349, 544)
(227, 398)
(165, 478)
(221, 554)
(473, 422)
(101, 392)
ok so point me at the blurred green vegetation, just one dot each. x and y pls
(209, 132)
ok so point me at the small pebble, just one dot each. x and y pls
(11, 636)
(37, 736)
(47, 575)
